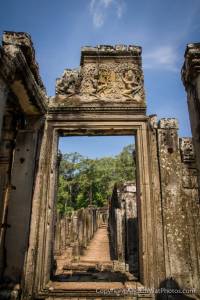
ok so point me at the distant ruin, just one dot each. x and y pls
(105, 96)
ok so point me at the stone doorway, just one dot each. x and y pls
(102, 107)
(96, 225)
(105, 96)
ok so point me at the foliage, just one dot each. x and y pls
(84, 181)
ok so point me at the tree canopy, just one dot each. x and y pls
(83, 181)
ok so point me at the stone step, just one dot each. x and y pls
(88, 265)
(95, 276)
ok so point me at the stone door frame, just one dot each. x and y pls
(39, 258)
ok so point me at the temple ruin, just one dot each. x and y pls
(153, 225)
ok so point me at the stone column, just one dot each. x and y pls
(3, 98)
(20, 202)
(75, 250)
(68, 221)
(63, 234)
(57, 236)
(176, 235)
(80, 230)
(85, 228)
(156, 204)
(119, 232)
(6, 158)
(131, 228)
(191, 207)
(191, 81)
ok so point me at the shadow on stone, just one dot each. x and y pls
(132, 246)
(92, 275)
(170, 290)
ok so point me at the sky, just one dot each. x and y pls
(163, 28)
(95, 146)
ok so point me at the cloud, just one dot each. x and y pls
(165, 57)
(100, 9)
(107, 2)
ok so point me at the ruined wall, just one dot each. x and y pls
(8, 135)
(22, 105)
(180, 205)
(123, 226)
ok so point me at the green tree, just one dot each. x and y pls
(84, 181)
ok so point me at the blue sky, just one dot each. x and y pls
(95, 147)
(162, 28)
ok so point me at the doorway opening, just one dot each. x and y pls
(96, 218)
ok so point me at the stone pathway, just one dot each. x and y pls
(98, 248)
(95, 265)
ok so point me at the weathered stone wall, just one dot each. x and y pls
(123, 226)
(22, 106)
(180, 205)
(8, 135)
(3, 99)
(191, 81)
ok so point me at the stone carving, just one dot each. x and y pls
(69, 83)
(112, 81)
(168, 123)
(107, 74)
(131, 85)
(153, 121)
(189, 178)
(187, 150)
(191, 66)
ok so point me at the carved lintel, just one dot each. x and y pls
(103, 78)
(105, 82)
(114, 81)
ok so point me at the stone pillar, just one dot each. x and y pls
(63, 234)
(6, 157)
(170, 167)
(120, 234)
(3, 98)
(81, 230)
(191, 81)
(131, 228)
(191, 206)
(87, 227)
(57, 236)
(156, 204)
(112, 221)
(176, 226)
(68, 221)
(20, 202)
(70, 229)
(91, 213)
(75, 250)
